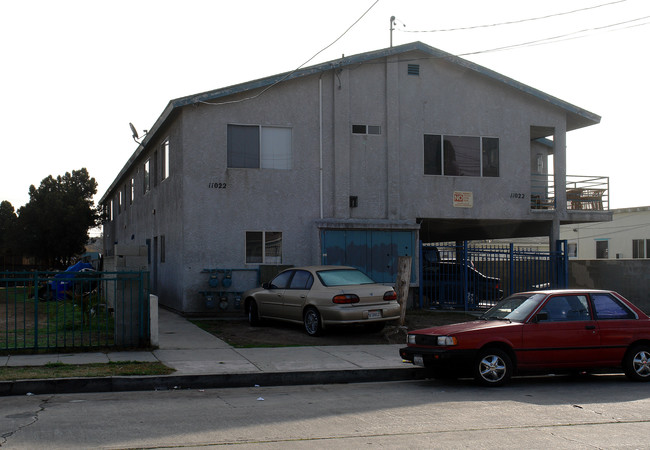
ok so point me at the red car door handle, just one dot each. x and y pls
(590, 327)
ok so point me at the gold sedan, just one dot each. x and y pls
(323, 296)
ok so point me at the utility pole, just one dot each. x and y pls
(393, 22)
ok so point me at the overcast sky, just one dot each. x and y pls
(75, 73)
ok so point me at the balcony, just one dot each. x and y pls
(583, 193)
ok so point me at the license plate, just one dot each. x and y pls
(418, 360)
(374, 314)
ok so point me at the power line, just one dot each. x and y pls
(514, 21)
(562, 37)
(297, 68)
(605, 234)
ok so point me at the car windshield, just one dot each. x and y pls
(343, 277)
(515, 308)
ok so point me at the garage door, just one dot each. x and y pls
(373, 251)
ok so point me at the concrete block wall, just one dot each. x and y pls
(628, 277)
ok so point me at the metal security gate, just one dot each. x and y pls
(474, 277)
(64, 310)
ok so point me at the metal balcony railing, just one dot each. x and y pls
(587, 193)
(583, 193)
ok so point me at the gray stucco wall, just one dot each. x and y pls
(204, 226)
(627, 277)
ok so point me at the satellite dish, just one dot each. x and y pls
(134, 131)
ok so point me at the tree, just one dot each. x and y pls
(8, 222)
(54, 225)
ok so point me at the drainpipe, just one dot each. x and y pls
(320, 131)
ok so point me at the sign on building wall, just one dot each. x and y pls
(463, 199)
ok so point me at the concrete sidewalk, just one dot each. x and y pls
(202, 360)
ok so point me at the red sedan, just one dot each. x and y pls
(542, 331)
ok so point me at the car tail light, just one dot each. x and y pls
(345, 298)
(390, 295)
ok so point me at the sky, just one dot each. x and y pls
(74, 74)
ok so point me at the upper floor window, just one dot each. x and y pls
(255, 147)
(147, 176)
(366, 129)
(164, 163)
(131, 190)
(469, 156)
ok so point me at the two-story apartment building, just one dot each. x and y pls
(351, 161)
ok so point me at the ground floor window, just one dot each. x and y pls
(602, 249)
(162, 248)
(572, 250)
(640, 248)
(263, 247)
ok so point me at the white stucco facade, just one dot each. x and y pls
(626, 236)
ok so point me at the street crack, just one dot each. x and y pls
(5, 437)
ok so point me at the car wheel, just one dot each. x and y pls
(493, 367)
(312, 321)
(253, 314)
(636, 363)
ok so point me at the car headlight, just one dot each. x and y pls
(447, 340)
(410, 339)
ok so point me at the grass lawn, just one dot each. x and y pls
(60, 370)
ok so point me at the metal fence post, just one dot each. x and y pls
(35, 309)
(511, 256)
(465, 287)
(420, 274)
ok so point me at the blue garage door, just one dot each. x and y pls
(374, 252)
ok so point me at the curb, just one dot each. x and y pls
(171, 382)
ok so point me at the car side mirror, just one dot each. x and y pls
(266, 285)
(541, 317)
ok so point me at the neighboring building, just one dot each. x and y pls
(626, 236)
(351, 161)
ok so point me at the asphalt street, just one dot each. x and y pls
(532, 413)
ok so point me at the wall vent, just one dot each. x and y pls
(413, 69)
